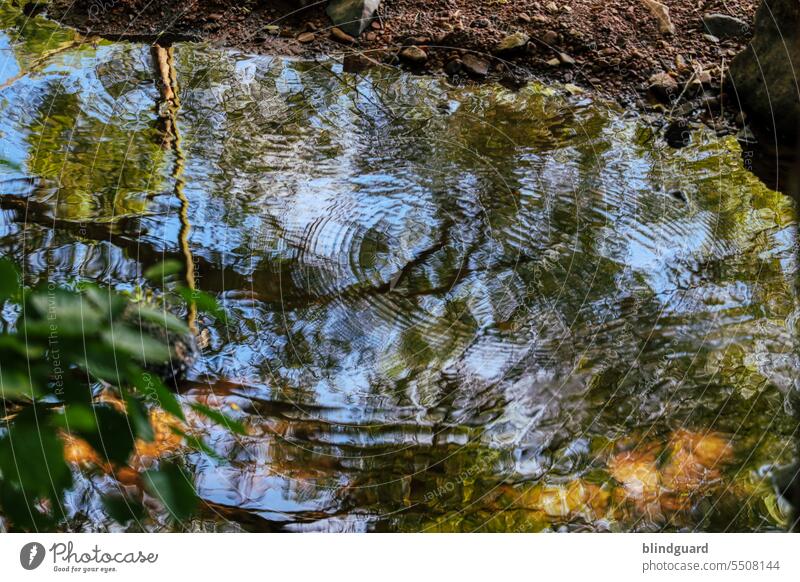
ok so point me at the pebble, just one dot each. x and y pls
(341, 36)
(550, 37)
(306, 37)
(524, 17)
(566, 60)
(662, 86)
(414, 55)
(453, 68)
(475, 66)
(513, 43)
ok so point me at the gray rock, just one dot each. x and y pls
(512, 44)
(475, 66)
(764, 76)
(352, 16)
(724, 26)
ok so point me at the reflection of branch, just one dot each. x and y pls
(168, 114)
(41, 61)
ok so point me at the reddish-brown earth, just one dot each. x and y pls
(613, 46)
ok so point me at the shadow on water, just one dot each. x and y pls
(451, 308)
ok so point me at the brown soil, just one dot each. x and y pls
(612, 46)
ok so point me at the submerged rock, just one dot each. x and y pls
(764, 76)
(352, 16)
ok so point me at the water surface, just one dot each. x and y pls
(451, 308)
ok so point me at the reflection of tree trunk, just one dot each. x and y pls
(168, 107)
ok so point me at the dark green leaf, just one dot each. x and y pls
(76, 418)
(140, 418)
(203, 301)
(173, 487)
(162, 318)
(123, 509)
(137, 344)
(9, 280)
(32, 457)
(154, 391)
(157, 273)
(15, 383)
(113, 439)
(221, 419)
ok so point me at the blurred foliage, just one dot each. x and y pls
(81, 382)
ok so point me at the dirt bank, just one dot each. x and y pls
(612, 46)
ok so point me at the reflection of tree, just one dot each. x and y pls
(168, 108)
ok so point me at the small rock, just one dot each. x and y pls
(554, 62)
(552, 7)
(306, 37)
(357, 63)
(662, 86)
(475, 66)
(513, 43)
(414, 55)
(481, 23)
(725, 26)
(524, 17)
(453, 68)
(550, 37)
(711, 38)
(341, 36)
(272, 29)
(661, 14)
(677, 134)
(371, 37)
(566, 60)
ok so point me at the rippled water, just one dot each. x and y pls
(451, 308)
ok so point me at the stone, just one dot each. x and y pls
(566, 60)
(358, 62)
(763, 77)
(453, 68)
(723, 26)
(661, 14)
(550, 38)
(414, 55)
(352, 16)
(711, 38)
(512, 44)
(663, 87)
(475, 66)
(306, 37)
(341, 36)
